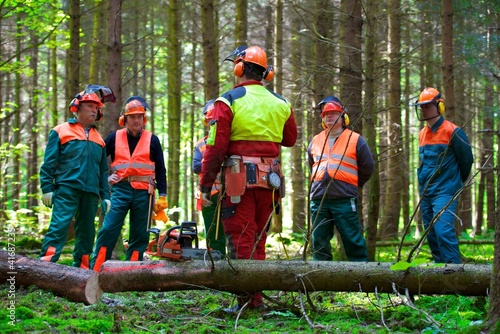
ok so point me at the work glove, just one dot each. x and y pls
(105, 206)
(205, 199)
(47, 199)
(161, 204)
(161, 215)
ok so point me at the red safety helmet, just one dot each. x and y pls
(331, 106)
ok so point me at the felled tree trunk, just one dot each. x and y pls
(75, 284)
(246, 275)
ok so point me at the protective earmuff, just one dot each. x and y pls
(205, 121)
(239, 69)
(121, 120)
(347, 121)
(99, 115)
(440, 106)
(269, 73)
(73, 106)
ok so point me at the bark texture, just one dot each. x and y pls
(247, 275)
(73, 283)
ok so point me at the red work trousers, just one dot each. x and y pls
(246, 229)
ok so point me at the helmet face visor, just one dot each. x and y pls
(428, 95)
(104, 93)
(233, 55)
(92, 97)
(327, 99)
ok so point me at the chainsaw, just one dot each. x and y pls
(177, 244)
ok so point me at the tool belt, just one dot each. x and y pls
(242, 172)
(146, 179)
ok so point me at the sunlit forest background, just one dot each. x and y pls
(376, 56)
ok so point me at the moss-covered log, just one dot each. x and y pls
(75, 284)
(246, 275)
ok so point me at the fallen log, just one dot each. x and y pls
(247, 275)
(396, 243)
(75, 284)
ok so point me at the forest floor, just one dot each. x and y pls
(39, 311)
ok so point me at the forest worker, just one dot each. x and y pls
(340, 162)
(250, 124)
(446, 159)
(138, 169)
(74, 176)
(214, 230)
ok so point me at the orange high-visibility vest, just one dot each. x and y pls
(137, 164)
(68, 132)
(340, 162)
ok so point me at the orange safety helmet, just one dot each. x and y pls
(431, 95)
(132, 106)
(82, 97)
(253, 55)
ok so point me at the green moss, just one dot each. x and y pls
(24, 313)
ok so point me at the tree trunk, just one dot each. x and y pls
(86, 286)
(396, 170)
(114, 67)
(277, 63)
(32, 177)
(74, 49)
(298, 182)
(73, 283)
(494, 308)
(373, 190)
(174, 82)
(323, 50)
(210, 36)
(241, 24)
(248, 275)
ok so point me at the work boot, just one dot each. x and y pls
(237, 308)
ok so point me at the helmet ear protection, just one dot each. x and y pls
(73, 106)
(99, 115)
(347, 121)
(239, 69)
(440, 104)
(268, 74)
